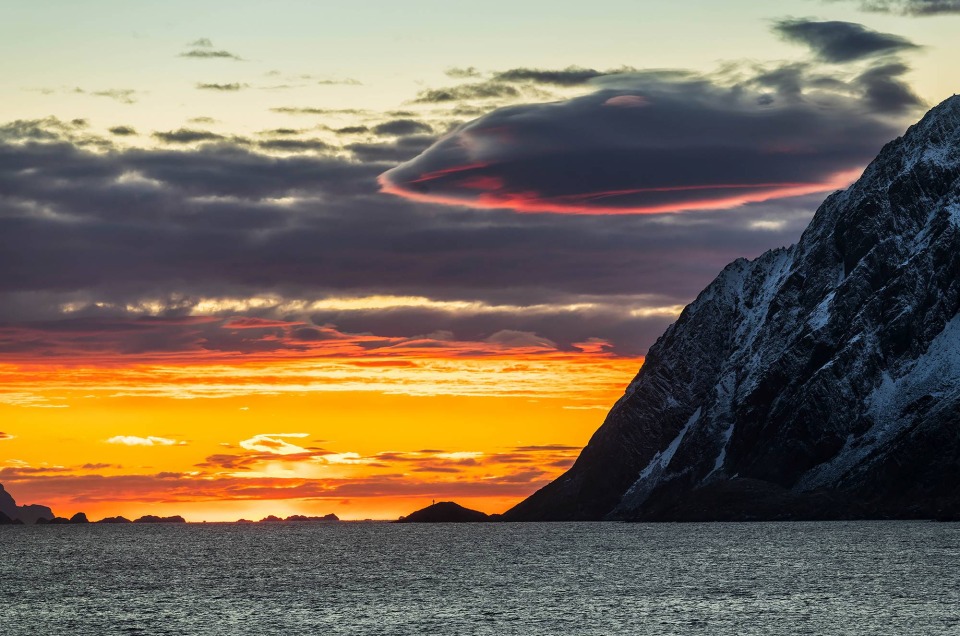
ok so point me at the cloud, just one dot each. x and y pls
(46, 129)
(306, 110)
(348, 81)
(296, 145)
(911, 7)
(696, 143)
(233, 87)
(839, 42)
(186, 136)
(207, 53)
(6, 436)
(402, 127)
(133, 440)
(113, 238)
(465, 92)
(203, 49)
(274, 443)
(123, 131)
(884, 90)
(182, 487)
(570, 76)
(280, 246)
(281, 132)
(463, 72)
(122, 95)
(352, 130)
(512, 464)
(401, 149)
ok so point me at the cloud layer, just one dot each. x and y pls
(662, 141)
(112, 249)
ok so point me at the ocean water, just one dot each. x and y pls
(551, 578)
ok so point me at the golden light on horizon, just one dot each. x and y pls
(363, 438)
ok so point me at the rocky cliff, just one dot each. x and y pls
(817, 381)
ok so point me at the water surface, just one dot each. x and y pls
(531, 579)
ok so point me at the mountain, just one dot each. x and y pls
(819, 381)
(27, 514)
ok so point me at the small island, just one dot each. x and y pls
(446, 512)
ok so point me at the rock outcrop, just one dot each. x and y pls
(26, 514)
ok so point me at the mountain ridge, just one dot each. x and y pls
(818, 380)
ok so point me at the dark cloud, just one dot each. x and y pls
(880, 87)
(465, 92)
(106, 232)
(402, 127)
(205, 53)
(186, 136)
(911, 7)
(840, 42)
(401, 149)
(352, 130)
(281, 132)
(652, 142)
(123, 131)
(295, 110)
(235, 86)
(114, 251)
(885, 91)
(296, 145)
(202, 43)
(570, 76)
(46, 129)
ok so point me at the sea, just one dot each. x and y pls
(874, 578)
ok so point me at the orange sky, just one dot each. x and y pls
(364, 436)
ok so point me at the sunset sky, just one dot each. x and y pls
(312, 257)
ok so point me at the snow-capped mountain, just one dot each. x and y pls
(817, 381)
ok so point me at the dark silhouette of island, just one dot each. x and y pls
(12, 514)
(62, 521)
(295, 518)
(155, 519)
(445, 512)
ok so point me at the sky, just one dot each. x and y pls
(357, 257)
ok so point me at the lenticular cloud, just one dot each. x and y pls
(650, 143)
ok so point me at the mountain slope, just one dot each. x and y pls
(817, 381)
